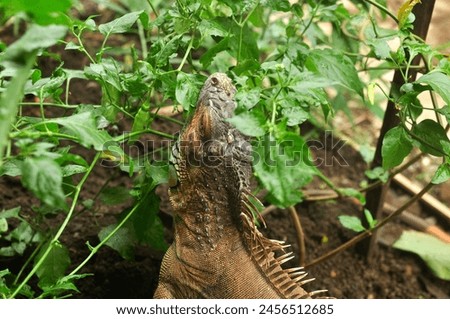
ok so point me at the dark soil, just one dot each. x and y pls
(395, 274)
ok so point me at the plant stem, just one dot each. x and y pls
(82, 48)
(168, 118)
(95, 249)
(327, 181)
(24, 133)
(188, 51)
(300, 235)
(142, 39)
(241, 25)
(152, 7)
(126, 135)
(25, 265)
(67, 106)
(61, 229)
(313, 14)
(383, 8)
(369, 232)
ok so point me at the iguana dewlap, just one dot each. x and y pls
(217, 250)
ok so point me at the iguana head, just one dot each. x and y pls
(207, 133)
(219, 91)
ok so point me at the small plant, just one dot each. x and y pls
(355, 224)
(287, 71)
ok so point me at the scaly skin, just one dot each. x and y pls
(217, 251)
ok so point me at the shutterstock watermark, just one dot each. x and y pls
(328, 151)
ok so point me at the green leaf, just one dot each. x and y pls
(3, 225)
(83, 126)
(257, 17)
(367, 153)
(23, 233)
(69, 170)
(370, 220)
(46, 87)
(307, 81)
(164, 49)
(283, 166)
(249, 48)
(212, 52)
(146, 224)
(295, 115)
(122, 241)
(120, 25)
(63, 285)
(40, 11)
(7, 251)
(442, 174)
(115, 195)
(248, 99)
(67, 158)
(12, 167)
(433, 251)
(10, 213)
(409, 104)
(396, 146)
(108, 72)
(159, 172)
(334, 65)
(44, 178)
(142, 120)
(54, 265)
(352, 192)
(20, 56)
(439, 82)
(187, 90)
(4, 289)
(352, 223)
(429, 135)
(250, 123)
(380, 47)
(405, 10)
(378, 173)
(445, 110)
(36, 37)
(279, 5)
(212, 28)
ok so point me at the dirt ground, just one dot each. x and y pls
(395, 274)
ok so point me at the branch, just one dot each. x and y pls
(369, 232)
(300, 235)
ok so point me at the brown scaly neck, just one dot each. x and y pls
(206, 200)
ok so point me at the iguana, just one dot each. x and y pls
(217, 250)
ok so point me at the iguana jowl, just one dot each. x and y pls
(217, 251)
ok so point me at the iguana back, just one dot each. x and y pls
(217, 251)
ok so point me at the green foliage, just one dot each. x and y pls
(335, 65)
(397, 144)
(282, 165)
(44, 12)
(43, 176)
(433, 251)
(354, 223)
(154, 54)
(54, 265)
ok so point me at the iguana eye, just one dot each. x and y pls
(214, 80)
